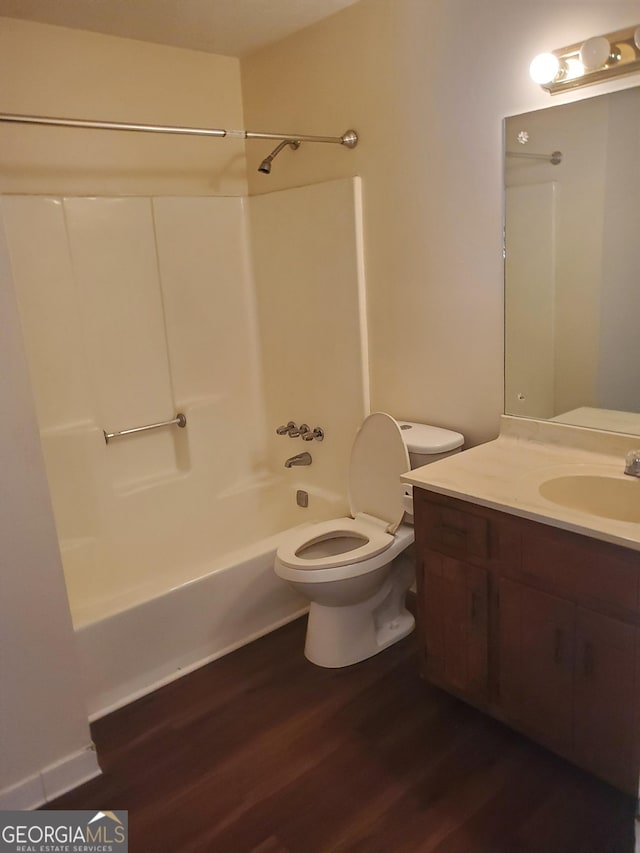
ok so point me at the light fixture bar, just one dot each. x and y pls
(623, 58)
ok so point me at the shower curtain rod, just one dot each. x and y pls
(348, 139)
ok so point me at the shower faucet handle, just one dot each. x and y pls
(303, 431)
(311, 434)
(299, 432)
(286, 429)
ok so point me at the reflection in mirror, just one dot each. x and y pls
(572, 232)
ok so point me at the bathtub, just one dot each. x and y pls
(132, 641)
(135, 309)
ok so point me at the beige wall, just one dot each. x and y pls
(427, 85)
(43, 718)
(55, 71)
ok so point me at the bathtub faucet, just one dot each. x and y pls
(299, 459)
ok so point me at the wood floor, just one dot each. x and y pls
(262, 751)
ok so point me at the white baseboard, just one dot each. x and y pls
(52, 781)
(72, 771)
(26, 795)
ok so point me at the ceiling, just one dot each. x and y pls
(228, 27)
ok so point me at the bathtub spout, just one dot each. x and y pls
(300, 459)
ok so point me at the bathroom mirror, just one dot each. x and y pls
(572, 263)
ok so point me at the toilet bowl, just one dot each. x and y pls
(354, 570)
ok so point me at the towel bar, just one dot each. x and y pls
(180, 420)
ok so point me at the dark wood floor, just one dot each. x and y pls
(262, 751)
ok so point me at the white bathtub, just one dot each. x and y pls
(167, 535)
(133, 642)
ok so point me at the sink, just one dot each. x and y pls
(607, 497)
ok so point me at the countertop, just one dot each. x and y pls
(505, 474)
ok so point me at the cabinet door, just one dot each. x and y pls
(604, 698)
(536, 662)
(455, 625)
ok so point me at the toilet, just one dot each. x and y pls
(353, 570)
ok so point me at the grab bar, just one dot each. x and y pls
(180, 420)
(555, 158)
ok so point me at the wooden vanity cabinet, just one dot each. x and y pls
(537, 626)
(605, 720)
(455, 596)
(536, 658)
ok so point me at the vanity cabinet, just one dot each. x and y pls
(537, 657)
(536, 626)
(455, 598)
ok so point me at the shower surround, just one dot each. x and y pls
(241, 313)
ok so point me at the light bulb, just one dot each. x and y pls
(573, 68)
(544, 68)
(595, 52)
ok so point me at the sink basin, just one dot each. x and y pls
(607, 497)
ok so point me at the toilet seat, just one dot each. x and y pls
(378, 457)
(375, 540)
(326, 569)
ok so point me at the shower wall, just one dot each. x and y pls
(136, 308)
(307, 253)
(132, 310)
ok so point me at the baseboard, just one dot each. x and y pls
(25, 795)
(52, 781)
(72, 771)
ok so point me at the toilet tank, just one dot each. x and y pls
(426, 444)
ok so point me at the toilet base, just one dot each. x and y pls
(341, 636)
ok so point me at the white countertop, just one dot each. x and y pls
(505, 474)
(602, 419)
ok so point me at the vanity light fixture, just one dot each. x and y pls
(591, 61)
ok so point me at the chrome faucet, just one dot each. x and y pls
(299, 459)
(632, 463)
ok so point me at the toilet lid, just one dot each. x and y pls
(378, 458)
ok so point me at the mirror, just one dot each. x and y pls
(572, 263)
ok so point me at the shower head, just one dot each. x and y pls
(265, 166)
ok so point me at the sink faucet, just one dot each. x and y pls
(632, 463)
(302, 459)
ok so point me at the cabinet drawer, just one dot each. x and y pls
(452, 530)
(585, 570)
(476, 534)
(458, 531)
